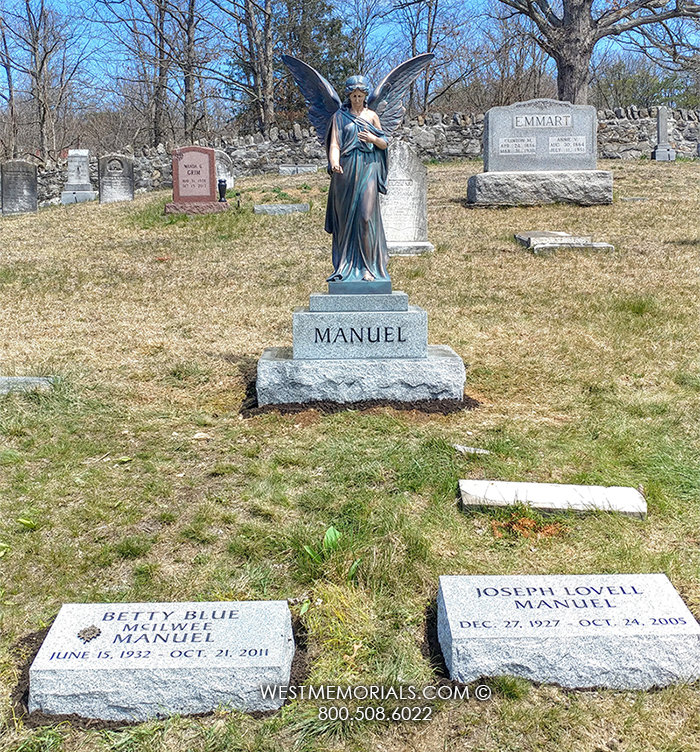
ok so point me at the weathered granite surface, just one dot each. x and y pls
(622, 631)
(585, 187)
(360, 334)
(283, 380)
(134, 661)
(25, 384)
(404, 207)
(553, 497)
(19, 187)
(544, 243)
(116, 178)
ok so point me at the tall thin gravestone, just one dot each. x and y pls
(404, 206)
(663, 151)
(194, 182)
(78, 187)
(19, 187)
(116, 178)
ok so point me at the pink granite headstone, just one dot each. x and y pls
(194, 182)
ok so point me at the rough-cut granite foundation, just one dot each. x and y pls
(583, 187)
(283, 380)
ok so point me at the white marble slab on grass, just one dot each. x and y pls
(552, 497)
(134, 661)
(622, 631)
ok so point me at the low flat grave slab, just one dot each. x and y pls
(626, 631)
(277, 209)
(544, 242)
(25, 384)
(134, 661)
(552, 497)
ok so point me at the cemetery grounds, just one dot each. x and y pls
(145, 476)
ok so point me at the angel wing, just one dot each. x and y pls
(387, 98)
(321, 98)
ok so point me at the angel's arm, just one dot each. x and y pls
(334, 149)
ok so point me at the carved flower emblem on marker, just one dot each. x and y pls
(89, 633)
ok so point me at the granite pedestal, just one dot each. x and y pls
(355, 347)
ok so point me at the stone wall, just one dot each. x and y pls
(622, 134)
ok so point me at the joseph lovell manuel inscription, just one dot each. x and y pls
(627, 631)
(133, 661)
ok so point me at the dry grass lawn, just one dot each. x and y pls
(138, 478)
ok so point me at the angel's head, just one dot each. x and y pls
(356, 90)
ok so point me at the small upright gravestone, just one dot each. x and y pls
(194, 182)
(19, 187)
(224, 168)
(540, 152)
(134, 661)
(78, 187)
(404, 207)
(663, 151)
(116, 178)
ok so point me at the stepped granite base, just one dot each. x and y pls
(583, 187)
(283, 380)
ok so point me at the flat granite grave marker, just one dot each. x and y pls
(540, 152)
(405, 205)
(116, 178)
(19, 187)
(134, 661)
(545, 242)
(552, 497)
(78, 187)
(194, 182)
(621, 631)
(280, 209)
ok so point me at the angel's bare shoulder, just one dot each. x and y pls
(372, 117)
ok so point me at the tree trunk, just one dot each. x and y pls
(161, 78)
(572, 75)
(189, 72)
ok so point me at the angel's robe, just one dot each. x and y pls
(352, 215)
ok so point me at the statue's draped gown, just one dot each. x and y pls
(352, 214)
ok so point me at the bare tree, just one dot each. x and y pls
(48, 50)
(569, 30)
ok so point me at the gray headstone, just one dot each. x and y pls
(19, 187)
(78, 187)
(133, 661)
(279, 209)
(663, 151)
(282, 379)
(542, 134)
(224, 168)
(552, 497)
(542, 243)
(404, 208)
(622, 631)
(116, 178)
(360, 334)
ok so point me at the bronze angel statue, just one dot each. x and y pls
(356, 141)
